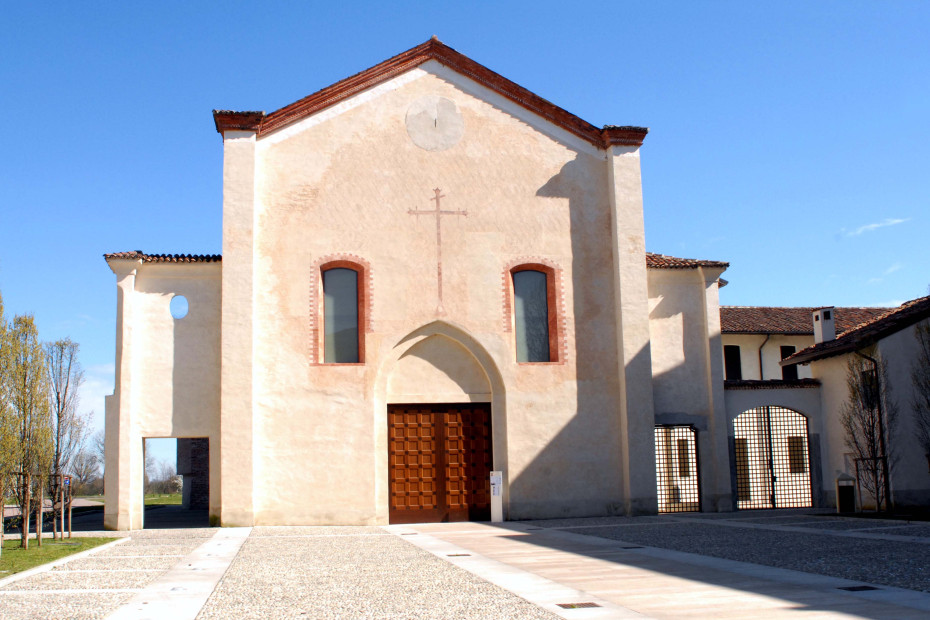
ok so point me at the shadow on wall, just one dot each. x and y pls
(583, 460)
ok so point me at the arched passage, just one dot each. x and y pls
(772, 458)
(440, 403)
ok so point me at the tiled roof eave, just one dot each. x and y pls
(765, 332)
(138, 255)
(769, 384)
(663, 261)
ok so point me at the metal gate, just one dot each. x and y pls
(677, 469)
(771, 458)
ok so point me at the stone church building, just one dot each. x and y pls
(428, 273)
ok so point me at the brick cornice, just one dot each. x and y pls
(438, 51)
(244, 121)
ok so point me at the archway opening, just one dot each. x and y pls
(176, 482)
(772, 458)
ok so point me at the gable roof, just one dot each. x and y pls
(433, 49)
(789, 321)
(866, 334)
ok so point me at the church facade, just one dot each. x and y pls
(428, 273)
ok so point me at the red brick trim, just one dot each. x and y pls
(414, 57)
(365, 299)
(558, 347)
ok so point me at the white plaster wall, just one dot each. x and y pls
(343, 184)
(679, 341)
(771, 353)
(177, 360)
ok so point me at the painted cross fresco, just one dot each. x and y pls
(438, 212)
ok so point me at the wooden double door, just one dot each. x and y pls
(439, 462)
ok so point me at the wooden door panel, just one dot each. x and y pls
(439, 462)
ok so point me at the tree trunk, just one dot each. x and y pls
(40, 510)
(25, 510)
(2, 508)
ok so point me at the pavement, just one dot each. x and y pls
(14, 511)
(766, 564)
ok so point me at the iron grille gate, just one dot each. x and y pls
(771, 458)
(677, 469)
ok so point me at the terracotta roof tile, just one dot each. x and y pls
(774, 320)
(893, 320)
(661, 261)
(414, 57)
(164, 258)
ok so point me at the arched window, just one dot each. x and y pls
(340, 316)
(534, 320)
(340, 326)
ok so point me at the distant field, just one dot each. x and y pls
(163, 499)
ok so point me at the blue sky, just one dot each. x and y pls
(791, 139)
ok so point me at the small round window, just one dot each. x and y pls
(178, 306)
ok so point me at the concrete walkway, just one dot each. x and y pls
(578, 568)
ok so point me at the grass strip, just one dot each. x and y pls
(15, 559)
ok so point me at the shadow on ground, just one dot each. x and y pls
(90, 519)
(616, 540)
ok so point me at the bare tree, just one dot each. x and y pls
(920, 375)
(869, 418)
(65, 377)
(30, 405)
(85, 468)
(149, 468)
(98, 446)
(98, 450)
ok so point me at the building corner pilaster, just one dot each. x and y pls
(636, 409)
(122, 487)
(235, 495)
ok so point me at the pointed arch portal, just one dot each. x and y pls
(442, 394)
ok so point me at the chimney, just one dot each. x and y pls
(824, 325)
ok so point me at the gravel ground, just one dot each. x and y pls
(592, 521)
(149, 550)
(319, 530)
(352, 573)
(84, 606)
(98, 563)
(72, 580)
(899, 564)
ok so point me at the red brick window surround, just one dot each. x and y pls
(554, 303)
(317, 305)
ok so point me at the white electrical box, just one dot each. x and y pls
(497, 489)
